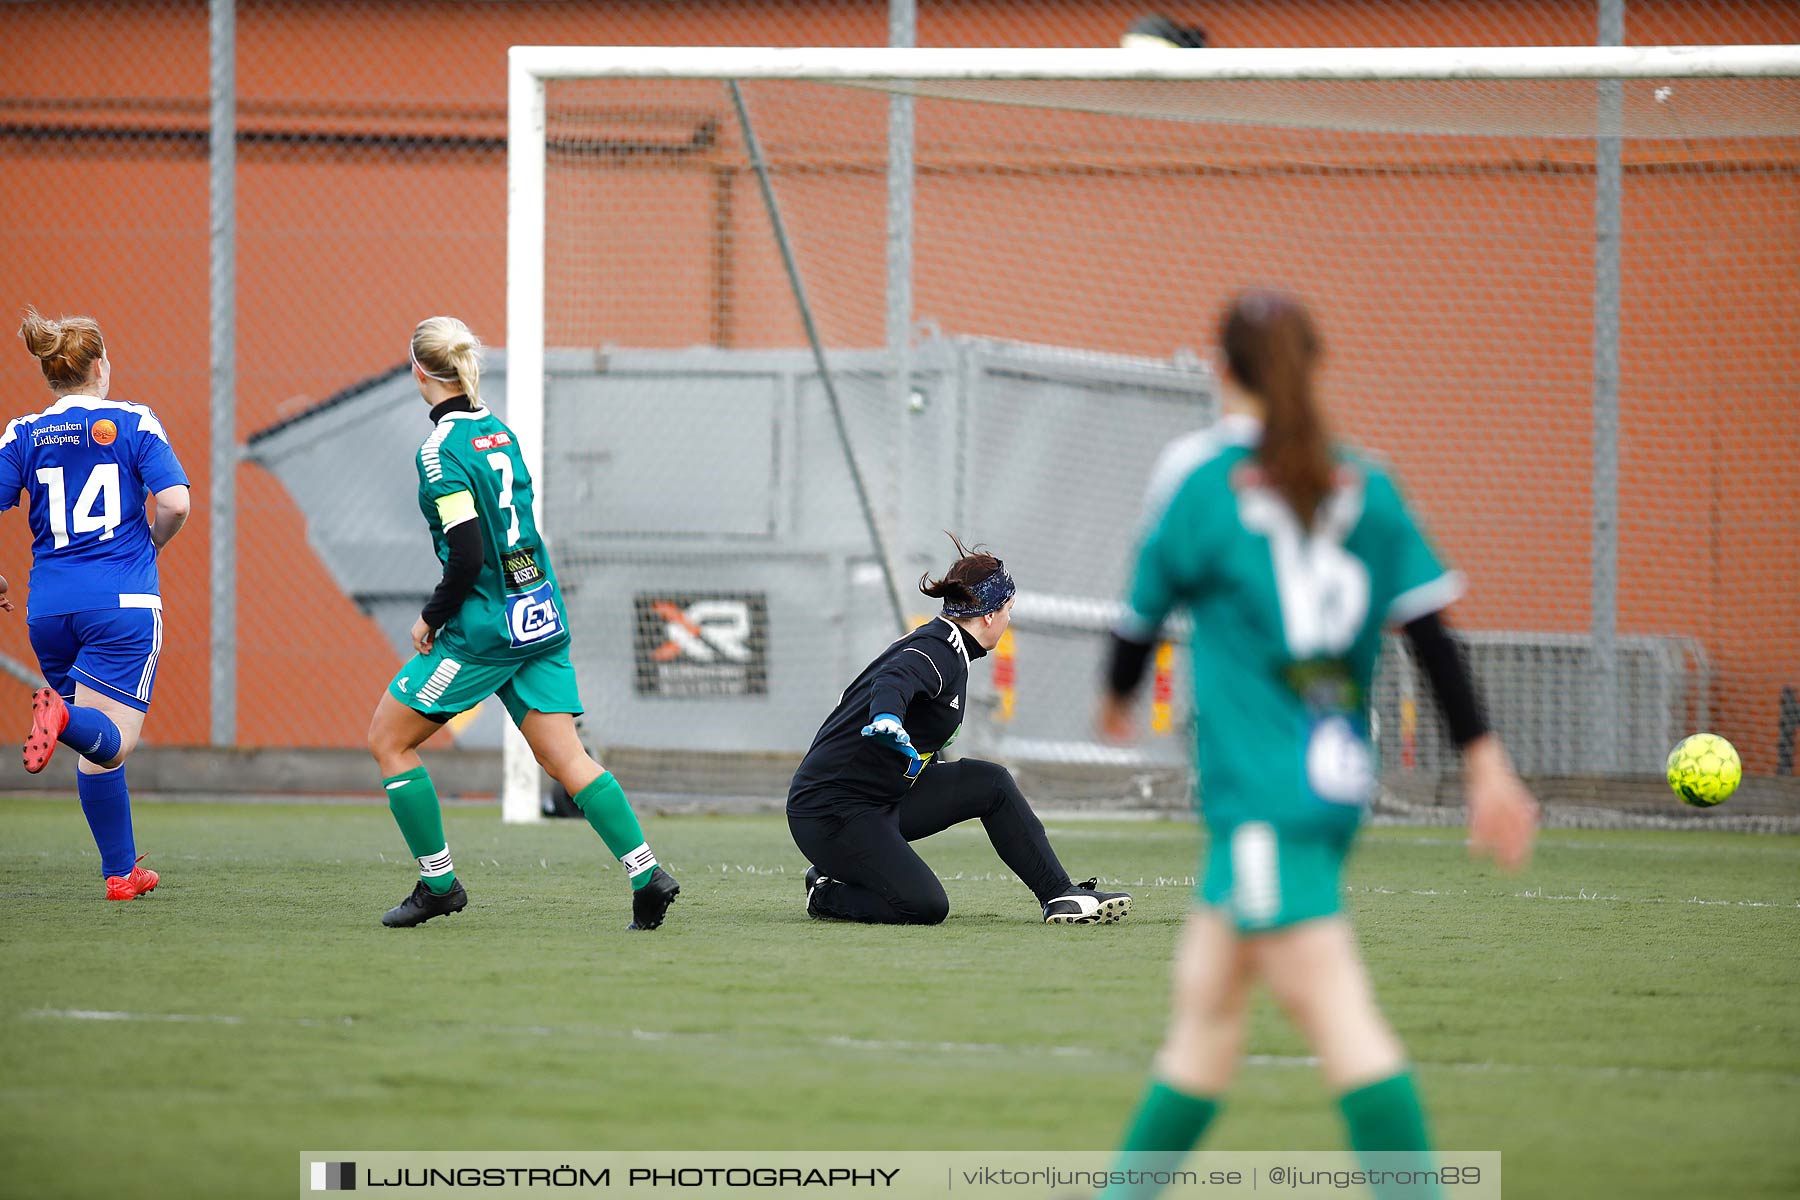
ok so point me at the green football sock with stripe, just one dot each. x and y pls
(414, 802)
(604, 805)
(1385, 1117)
(1167, 1125)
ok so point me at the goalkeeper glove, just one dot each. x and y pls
(887, 729)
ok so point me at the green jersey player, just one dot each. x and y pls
(1291, 555)
(495, 626)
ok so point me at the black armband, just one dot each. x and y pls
(1440, 656)
(1125, 667)
(467, 550)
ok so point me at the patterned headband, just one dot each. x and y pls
(990, 596)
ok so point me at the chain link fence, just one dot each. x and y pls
(1454, 285)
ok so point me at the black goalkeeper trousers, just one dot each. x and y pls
(876, 877)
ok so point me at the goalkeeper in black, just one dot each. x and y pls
(871, 783)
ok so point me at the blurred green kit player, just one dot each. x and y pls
(1292, 555)
(495, 626)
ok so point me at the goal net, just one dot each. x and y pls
(778, 319)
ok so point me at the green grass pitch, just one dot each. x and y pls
(1622, 1020)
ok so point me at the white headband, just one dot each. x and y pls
(428, 374)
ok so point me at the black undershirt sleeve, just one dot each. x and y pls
(1436, 650)
(1440, 656)
(1126, 663)
(467, 550)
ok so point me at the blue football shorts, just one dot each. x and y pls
(112, 650)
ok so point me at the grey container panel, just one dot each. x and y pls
(1059, 453)
(349, 465)
(804, 598)
(701, 470)
(663, 456)
(350, 469)
(826, 509)
(929, 498)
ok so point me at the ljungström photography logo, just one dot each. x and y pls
(334, 1177)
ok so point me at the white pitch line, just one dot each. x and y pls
(900, 1046)
(1178, 881)
(1596, 1071)
(1580, 894)
(884, 1044)
(1620, 847)
(94, 1014)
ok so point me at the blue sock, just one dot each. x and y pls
(106, 803)
(91, 734)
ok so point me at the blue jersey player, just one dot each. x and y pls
(84, 467)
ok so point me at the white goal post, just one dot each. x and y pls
(942, 72)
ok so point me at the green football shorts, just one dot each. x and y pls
(1267, 878)
(440, 685)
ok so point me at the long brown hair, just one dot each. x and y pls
(66, 349)
(957, 584)
(1273, 348)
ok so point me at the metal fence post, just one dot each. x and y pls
(222, 497)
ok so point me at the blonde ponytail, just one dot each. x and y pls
(449, 352)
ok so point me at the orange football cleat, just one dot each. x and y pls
(49, 717)
(130, 887)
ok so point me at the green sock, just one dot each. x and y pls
(1165, 1127)
(414, 803)
(604, 805)
(1385, 1117)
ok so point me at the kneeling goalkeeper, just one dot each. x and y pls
(869, 785)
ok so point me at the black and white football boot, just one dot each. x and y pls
(814, 877)
(1084, 904)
